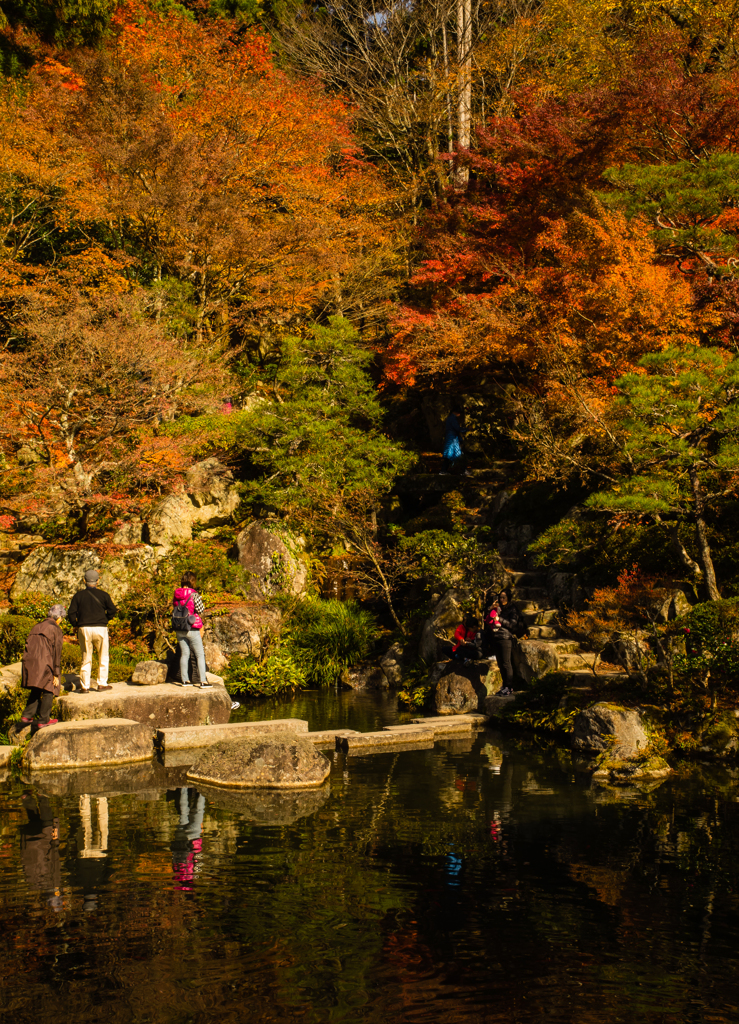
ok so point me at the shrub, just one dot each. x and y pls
(34, 605)
(326, 637)
(711, 632)
(14, 630)
(277, 674)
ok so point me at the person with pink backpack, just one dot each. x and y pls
(187, 623)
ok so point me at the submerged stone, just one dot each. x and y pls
(275, 761)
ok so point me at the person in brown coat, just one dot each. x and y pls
(42, 667)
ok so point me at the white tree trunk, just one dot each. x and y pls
(464, 97)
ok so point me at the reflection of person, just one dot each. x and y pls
(90, 610)
(42, 667)
(92, 856)
(40, 849)
(187, 842)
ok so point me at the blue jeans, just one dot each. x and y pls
(191, 641)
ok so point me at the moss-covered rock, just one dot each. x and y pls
(614, 772)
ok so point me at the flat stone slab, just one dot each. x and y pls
(194, 736)
(452, 726)
(326, 739)
(86, 743)
(407, 739)
(263, 761)
(162, 706)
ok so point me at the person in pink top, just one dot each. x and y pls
(188, 608)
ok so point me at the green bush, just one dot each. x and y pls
(327, 637)
(14, 630)
(34, 605)
(277, 674)
(711, 633)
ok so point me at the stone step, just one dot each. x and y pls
(543, 633)
(190, 737)
(540, 617)
(376, 742)
(449, 725)
(162, 706)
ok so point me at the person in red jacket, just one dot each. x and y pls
(464, 647)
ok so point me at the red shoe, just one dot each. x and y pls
(27, 721)
(42, 725)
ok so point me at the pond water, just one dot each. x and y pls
(480, 881)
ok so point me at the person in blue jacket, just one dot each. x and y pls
(453, 453)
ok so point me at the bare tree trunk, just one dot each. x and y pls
(464, 100)
(702, 535)
(450, 126)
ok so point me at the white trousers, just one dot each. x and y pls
(93, 637)
(95, 839)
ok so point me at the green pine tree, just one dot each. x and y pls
(680, 423)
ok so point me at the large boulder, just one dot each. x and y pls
(534, 658)
(272, 560)
(441, 624)
(59, 572)
(237, 631)
(171, 521)
(391, 664)
(619, 731)
(365, 677)
(86, 743)
(207, 498)
(613, 772)
(276, 761)
(455, 693)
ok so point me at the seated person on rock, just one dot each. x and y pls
(465, 637)
(187, 607)
(42, 668)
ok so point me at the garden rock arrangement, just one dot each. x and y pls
(622, 732)
(263, 762)
(237, 631)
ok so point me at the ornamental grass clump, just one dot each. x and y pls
(327, 637)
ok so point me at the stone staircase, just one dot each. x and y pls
(531, 597)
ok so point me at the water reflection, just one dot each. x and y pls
(40, 849)
(475, 882)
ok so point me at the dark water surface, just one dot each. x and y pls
(478, 881)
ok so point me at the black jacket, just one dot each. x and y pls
(91, 607)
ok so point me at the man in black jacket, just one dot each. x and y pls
(90, 611)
